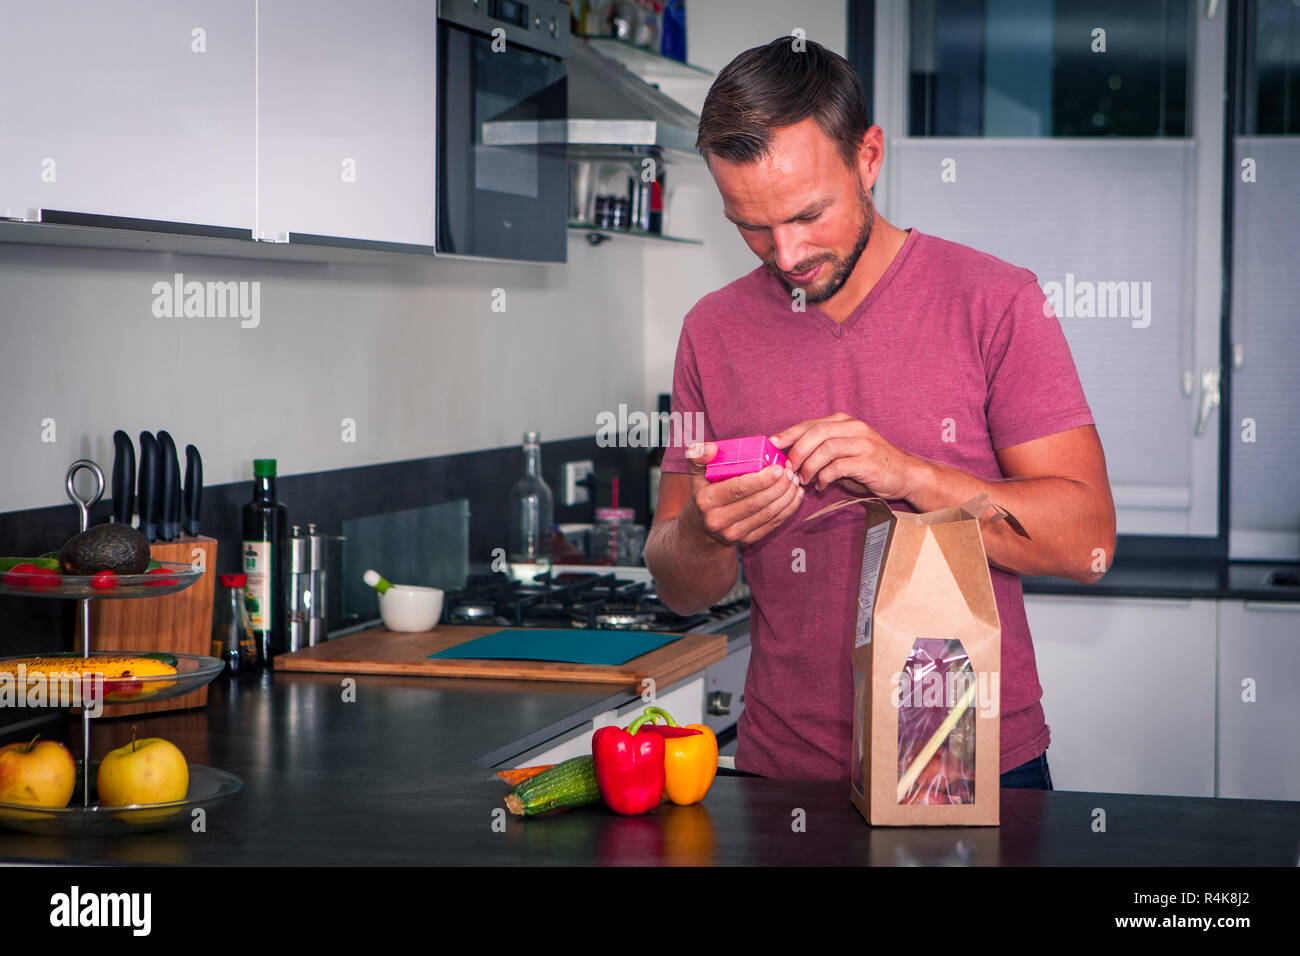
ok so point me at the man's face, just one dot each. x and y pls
(802, 210)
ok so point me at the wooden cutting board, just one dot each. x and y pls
(381, 651)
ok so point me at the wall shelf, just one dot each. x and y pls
(603, 234)
(645, 63)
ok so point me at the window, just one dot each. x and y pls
(1034, 68)
(1272, 68)
(1264, 328)
(1084, 142)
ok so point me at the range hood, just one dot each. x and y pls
(611, 106)
(612, 113)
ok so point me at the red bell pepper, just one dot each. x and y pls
(629, 767)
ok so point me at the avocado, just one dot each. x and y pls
(106, 547)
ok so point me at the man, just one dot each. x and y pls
(883, 362)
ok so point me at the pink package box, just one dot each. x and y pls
(742, 456)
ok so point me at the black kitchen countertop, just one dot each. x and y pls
(1173, 577)
(389, 780)
(1181, 579)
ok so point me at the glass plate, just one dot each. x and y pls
(192, 672)
(177, 578)
(208, 788)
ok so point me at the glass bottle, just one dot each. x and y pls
(531, 510)
(234, 642)
(265, 524)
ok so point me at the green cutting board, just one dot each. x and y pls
(568, 645)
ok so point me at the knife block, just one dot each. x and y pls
(179, 623)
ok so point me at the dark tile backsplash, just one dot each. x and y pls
(484, 478)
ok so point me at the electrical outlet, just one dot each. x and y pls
(574, 472)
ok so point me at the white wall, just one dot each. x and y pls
(410, 348)
(676, 277)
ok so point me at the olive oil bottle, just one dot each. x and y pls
(265, 524)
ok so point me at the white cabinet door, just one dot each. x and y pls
(346, 119)
(142, 109)
(1259, 670)
(1128, 691)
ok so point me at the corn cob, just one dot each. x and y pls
(110, 666)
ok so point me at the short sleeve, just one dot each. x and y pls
(1033, 385)
(690, 421)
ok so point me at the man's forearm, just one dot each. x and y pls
(690, 574)
(1071, 526)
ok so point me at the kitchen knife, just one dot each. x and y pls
(193, 489)
(148, 497)
(123, 478)
(169, 514)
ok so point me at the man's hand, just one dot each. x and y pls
(1056, 486)
(691, 549)
(740, 510)
(841, 448)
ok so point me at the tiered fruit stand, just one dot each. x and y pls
(207, 786)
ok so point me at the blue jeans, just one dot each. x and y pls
(1030, 775)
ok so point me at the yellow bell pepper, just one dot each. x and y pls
(690, 759)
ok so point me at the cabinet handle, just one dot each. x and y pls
(1271, 606)
(1209, 398)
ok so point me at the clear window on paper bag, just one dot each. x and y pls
(936, 725)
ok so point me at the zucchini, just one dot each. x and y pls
(568, 784)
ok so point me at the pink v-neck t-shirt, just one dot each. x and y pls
(951, 356)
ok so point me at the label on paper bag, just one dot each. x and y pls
(257, 593)
(873, 555)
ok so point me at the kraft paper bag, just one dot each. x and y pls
(926, 659)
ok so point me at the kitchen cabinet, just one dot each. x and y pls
(1128, 691)
(143, 110)
(685, 702)
(1259, 667)
(346, 120)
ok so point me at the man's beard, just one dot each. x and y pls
(843, 267)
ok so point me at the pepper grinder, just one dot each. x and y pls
(300, 592)
(317, 558)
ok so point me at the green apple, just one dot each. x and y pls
(152, 770)
(37, 774)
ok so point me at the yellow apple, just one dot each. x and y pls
(37, 774)
(152, 770)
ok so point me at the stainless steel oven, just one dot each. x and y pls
(502, 169)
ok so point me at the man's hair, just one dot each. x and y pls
(768, 87)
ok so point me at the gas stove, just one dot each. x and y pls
(577, 596)
(624, 598)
